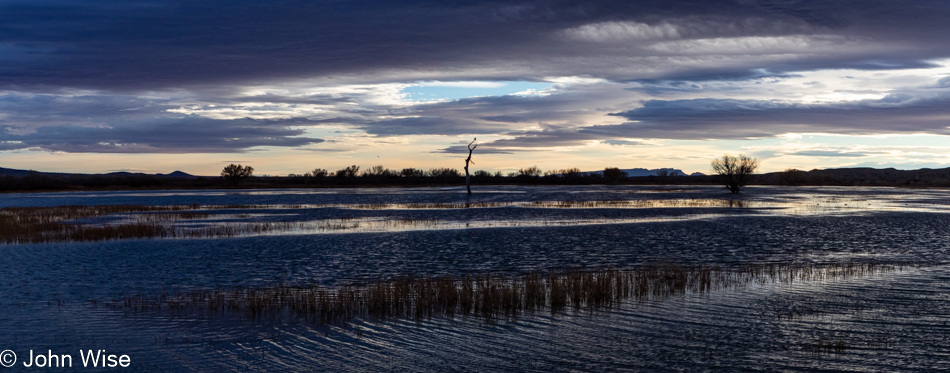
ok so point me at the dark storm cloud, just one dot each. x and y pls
(427, 126)
(481, 115)
(544, 138)
(734, 119)
(142, 58)
(742, 119)
(163, 135)
(493, 111)
(550, 137)
(526, 140)
(129, 124)
(503, 118)
(145, 45)
(705, 83)
(31, 110)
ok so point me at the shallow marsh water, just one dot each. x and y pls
(53, 294)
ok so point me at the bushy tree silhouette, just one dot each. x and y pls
(234, 173)
(530, 172)
(734, 171)
(348, 172)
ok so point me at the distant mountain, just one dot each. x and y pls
(19, 173)
(178, 174)
(641, 172)
(859, 176)
(12, 172)
(636, 172)
(15, 172)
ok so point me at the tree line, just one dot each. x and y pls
(732, 171)
(237, 175)
(354, 176)
(379, 174)
(350, 176)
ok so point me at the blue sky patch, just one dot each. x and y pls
(435, 91)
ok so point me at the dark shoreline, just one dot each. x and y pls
(52, 182)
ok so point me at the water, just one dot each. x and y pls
(53, 295)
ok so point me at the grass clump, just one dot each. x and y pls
(53, 224)
(490, 297)
(24, 225)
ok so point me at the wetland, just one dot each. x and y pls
(644, 278)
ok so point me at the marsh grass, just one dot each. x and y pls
(25, 225)
(642, 203)
(49, 224)
(90, 223)
(646, 203)
(490, 297)
(19, 225)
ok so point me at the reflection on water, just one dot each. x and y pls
(232, 219)
(51, 294)
(886, 322)
(487, 296)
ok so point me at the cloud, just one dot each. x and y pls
(828, 153)
(621, 32)
(482, 149)
(463, 84)
(736, 119)
(755, 45)
(725, 119)
(910, 165)
(490, 115)
(428, 126)
(221, 76)
(532, 140)
(715, 83)
(163, 135)
(622, 142)
(171, 45)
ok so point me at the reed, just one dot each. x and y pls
(491, 297)
(49, 224)
(19, 225)
(637, 203)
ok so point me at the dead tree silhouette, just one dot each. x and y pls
(468, 179)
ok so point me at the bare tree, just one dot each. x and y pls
(735, 171)
(468, 179)
(234, 173)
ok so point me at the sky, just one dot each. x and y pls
(290, 86)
